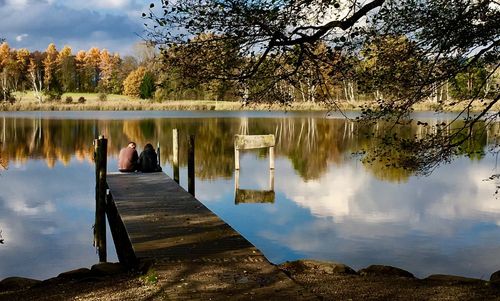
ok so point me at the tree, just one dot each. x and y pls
(107, 67)
(132, 84)
(147, 87)
(66, 69)
(7, 65)
(82, 78)
(92, 67)
(35, 70)
(438, 39)
(50, 66)
(21, 74)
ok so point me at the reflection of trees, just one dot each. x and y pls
(4, 163)
(311, 144)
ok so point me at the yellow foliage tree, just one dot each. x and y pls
(66, 69)
(92, 64)
(132, 84)
(49, 64)
(80, 70)
(5, 63)
(22, 61)
(107, 67)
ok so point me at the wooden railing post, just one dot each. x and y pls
(236, 158)
(175, 160)
(101, 150)
(158, 153)
(271, 157)
(191, 165)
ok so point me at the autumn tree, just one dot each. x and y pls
(35, 71)
(7, 62)
(445, 37)
(66, 69)
(107, 68)
(81, 72)
(132, 84)
(21, 73)
(50, 66)
(92, 66)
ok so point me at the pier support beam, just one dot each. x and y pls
(101, 153)
(191, 165)
(175, 160)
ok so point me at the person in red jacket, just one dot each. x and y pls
(127, 160)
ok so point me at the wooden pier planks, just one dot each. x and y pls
(164, 222)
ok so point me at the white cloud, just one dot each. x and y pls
(21, 37)
(330, 196)
(68, 23)
(17, 3)
(23, 207)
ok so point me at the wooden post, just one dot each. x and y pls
(236, 158)
(236, 180)
(271, 157)
(123, 246)
(191, 165)
(158, 153)
(175, 160)
(271, 179)
(101, 150)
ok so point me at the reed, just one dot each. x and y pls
(114, 102)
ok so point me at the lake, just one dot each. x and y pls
(327, 204)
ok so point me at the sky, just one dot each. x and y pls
(115, 25)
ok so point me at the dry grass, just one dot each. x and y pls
(114, 102)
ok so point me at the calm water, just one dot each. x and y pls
(327, 204)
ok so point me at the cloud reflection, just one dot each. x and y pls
(46, 217)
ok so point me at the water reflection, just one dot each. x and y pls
(311, 144)
(320, 202)
(253, 195)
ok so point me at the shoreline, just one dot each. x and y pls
(316, 280)
(201, 105)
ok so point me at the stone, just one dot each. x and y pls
(385, 270)
(108, 268)
(495, 277)
(17, 283)
(242, 280)
(76, 274)
(453, 279)
(315, 266)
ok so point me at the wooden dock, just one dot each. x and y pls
(195, 254)
(163, 221)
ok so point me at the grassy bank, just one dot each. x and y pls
(114, 102)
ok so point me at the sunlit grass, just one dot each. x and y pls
(26, 101)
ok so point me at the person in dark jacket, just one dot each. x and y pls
(127, 159)
(148, 160)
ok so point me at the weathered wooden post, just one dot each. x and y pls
(271, 179)
(101, 153)
(271, 157)
(191, 165)
(158, 153)
(236, 180)
(175, 160)
(236, 158)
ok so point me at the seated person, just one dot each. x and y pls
(148, 160)
(127, 160)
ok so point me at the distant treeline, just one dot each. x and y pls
(174, 74)
(52, 72)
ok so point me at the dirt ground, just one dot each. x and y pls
(300, 280)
